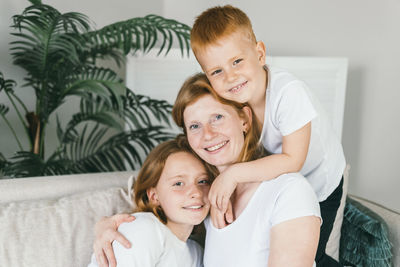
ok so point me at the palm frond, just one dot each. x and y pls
(8, 87)
(90, 155)
(36, 2)
(100, 81)
(47, 39)
(28, 164)
(140, 110)
(6, 84)
(3, 164)
(92, 109)
(3, 109)
(2, 174)
(25, 164)
(138, 34)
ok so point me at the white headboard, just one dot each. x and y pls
(162, 76)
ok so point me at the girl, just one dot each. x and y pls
(171, 197)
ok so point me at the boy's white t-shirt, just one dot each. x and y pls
(153, 244)
(245, 242)
(289, 106)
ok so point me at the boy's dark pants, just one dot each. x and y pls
(328, 209)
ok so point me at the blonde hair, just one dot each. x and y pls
(198, 86)
(151, 170)
(218, 22)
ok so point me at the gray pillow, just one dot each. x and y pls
(56, 232)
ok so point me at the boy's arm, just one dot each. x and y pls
(294, 153)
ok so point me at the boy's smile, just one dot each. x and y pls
(238, 88)
(234, 66)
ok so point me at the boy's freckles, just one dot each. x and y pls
(234, 66)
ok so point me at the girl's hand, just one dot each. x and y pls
(219, 219)
(105, 232)
(222, 189)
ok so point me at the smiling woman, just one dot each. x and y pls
(223, 132)
(213, 124)
(212, 131)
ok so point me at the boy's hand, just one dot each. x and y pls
(105, 232)
(221, 190)
(219, 219)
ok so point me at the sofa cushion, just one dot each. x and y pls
(365, 239)
(56, 232)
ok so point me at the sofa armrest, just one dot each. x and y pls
(392, 220)
(54, 187)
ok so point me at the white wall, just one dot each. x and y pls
(365, 31)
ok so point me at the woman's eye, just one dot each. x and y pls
(237, 61)
(217, 118)
(178, 184)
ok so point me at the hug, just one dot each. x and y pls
(257, 162)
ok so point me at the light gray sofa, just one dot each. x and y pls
(48, 221)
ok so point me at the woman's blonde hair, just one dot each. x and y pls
(198, 86)
(151, 170)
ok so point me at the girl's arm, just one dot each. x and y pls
(105, 233)
(294, 153)
(294, 242)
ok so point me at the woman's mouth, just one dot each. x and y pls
(216, 147)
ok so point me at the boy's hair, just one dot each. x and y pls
(151, 170)
(198, 86)
(218, 22)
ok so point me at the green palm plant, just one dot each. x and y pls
(114, 127)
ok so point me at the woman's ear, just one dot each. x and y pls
(261, 52)
(248, 120)
(152, 196)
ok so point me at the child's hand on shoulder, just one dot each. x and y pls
(220, 219)
(222, 189)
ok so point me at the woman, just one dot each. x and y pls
(276, 223)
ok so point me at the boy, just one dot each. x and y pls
(295, 129)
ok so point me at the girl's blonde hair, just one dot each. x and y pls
(151, 170)
(198, 86)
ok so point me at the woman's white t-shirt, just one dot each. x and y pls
(289, 106)
(245, 242)
(153, 244)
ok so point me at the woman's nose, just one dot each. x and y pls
(209, 132)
